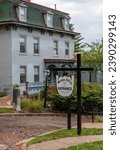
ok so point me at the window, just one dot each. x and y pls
(36, 45)
(55, 48)
(22, 74)
(36, 74)
(49, 20)
(66, 49)
(22, 13)
(22, 44)
(66, 24)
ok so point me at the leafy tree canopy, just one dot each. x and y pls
(79, 45)
(94, 56)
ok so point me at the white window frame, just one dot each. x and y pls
(50, 20)
(23, 73)
(22, 37)
(66, 24)
(67, 48)
(36, 42)
(55, 48)
(23, 13)
(36, 73)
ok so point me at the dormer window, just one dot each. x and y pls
(22, 12)
(66, 24)
(49, 19)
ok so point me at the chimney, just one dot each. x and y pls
(27, 1)
(55, 6)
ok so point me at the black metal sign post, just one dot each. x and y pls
(69, 113)
(78, 69)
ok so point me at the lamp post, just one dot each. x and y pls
(47, 72)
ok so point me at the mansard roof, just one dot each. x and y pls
(35, 15)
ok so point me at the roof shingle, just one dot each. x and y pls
(35, 15)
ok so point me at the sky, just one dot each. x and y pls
(86, 15)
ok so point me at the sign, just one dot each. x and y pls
(65, 85)
(33, 88)
(78, 70)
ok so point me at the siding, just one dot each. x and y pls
(5, 59)
(31, 60)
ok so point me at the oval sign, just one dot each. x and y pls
(65, 85)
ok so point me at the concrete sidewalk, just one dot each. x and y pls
(67, 142)
(64, 142)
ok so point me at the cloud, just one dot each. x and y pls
(86, 15)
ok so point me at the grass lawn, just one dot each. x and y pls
(6, 110)
(87, 146)
(64, 133)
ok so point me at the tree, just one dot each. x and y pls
(79, 45)
(94, 56)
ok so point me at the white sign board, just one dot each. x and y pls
(65, 85)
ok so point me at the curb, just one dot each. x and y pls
(6, 106)
(23, 147)
(24, 142)
(33, 114)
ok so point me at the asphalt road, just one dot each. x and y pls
(17, 128)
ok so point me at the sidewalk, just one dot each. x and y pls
(67, 142)
(64, 142)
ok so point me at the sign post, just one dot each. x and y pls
(65, 88)
(78, 69)
(69, 113)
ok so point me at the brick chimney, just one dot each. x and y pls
(27, 1)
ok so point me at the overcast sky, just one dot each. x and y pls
(86, 15)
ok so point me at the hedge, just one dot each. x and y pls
(91, 97)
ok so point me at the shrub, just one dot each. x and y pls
(60, 103)
(91, 97)
(57, 102)
(2, 94)
(29, 105)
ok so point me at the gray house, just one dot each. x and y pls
(33, 38)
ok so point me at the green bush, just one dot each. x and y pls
(57, 102)
(60, 103)
(91, 98)
(29, 105)
(2, 94)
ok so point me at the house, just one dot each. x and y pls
(33, 38)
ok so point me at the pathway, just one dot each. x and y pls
(64, 142)
(67, 142)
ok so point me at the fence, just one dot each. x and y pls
(32, 88)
